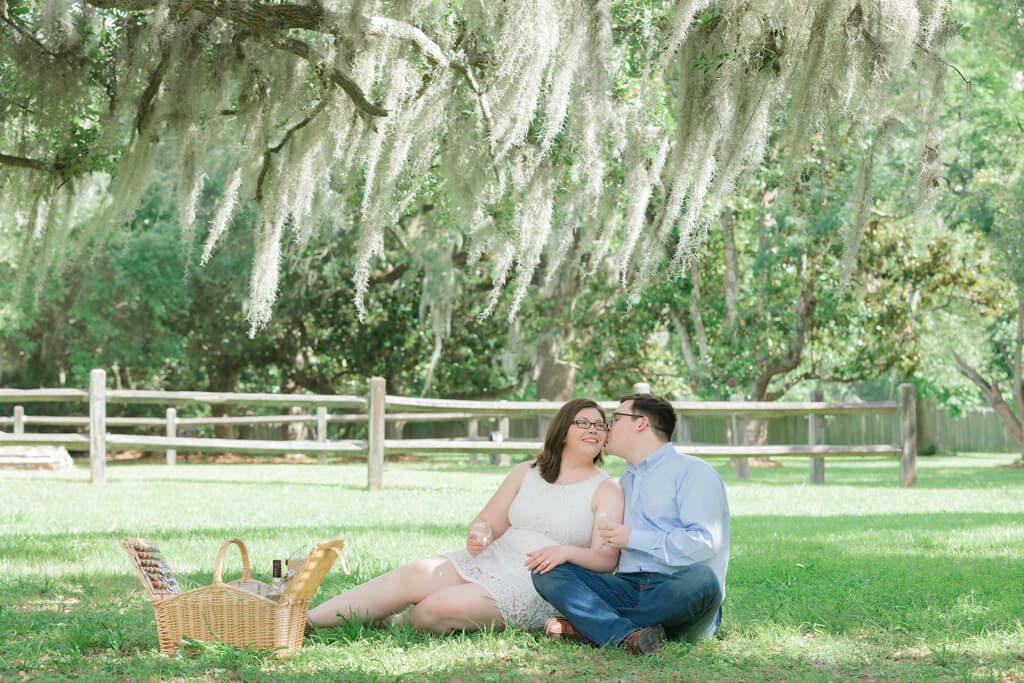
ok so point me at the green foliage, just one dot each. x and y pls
(837, 582)
(984, 168)
(907, 276)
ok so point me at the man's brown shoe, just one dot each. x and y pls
(644, 641)
(558, 628)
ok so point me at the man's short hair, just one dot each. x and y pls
(658, 410)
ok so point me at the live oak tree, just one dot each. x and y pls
(765, 309)
(129, 308)
(534, 124)
(983, 169)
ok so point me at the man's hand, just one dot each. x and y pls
(547, 558)
(614, 535)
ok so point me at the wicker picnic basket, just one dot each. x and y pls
(242, 612)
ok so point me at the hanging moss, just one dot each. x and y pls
(537, 124)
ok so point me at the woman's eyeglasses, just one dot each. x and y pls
(587, 424)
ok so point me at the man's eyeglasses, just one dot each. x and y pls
(587, 424)
(615, 415)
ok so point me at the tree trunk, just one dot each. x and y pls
(222, 410)
(293, 431)
(1012, 423)
(555, 377)
(226, 385)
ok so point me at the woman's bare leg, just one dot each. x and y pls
(465, 607)
(387, 594)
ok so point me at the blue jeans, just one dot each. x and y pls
(608, 607)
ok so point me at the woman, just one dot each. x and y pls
(541, 516)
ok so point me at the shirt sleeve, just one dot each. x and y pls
(701, 505)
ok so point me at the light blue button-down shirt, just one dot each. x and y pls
(678, 513)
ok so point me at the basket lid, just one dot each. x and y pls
(309, 577)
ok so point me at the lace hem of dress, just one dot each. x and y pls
(526, 612)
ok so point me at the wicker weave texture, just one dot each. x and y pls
(225, 613)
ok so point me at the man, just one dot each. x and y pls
(674, 543)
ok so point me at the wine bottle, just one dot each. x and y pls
(278, 582)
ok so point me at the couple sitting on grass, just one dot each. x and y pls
(560, 527)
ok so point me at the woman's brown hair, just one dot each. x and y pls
(549, 462)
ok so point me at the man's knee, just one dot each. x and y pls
(548, 583)
(697, 585)
(696, 577)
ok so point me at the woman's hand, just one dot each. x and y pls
(547, 558)
(473, 545)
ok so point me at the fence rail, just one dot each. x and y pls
(374, 411)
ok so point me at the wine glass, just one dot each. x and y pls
(480, 531)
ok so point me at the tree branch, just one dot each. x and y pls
(1018, 391)
(22, 162)
(698, 321)
(27, 35)
(329, 73)
(385, 278)
(271, 21)
(942, 61)
(790, 382)
(731, 272)
(685, 345)
(994, 396)
(146, 104)
(267, 155)
(803, 310)
(393, 28)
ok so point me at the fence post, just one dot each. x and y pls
(97, 426)
(908, 436)
(738, 439)
(473, 433)
(321, 432)
(815, 436)
(19, 419)
(683, 429)
(375, 435)
(172, 432)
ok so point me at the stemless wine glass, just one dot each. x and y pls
(481, 532)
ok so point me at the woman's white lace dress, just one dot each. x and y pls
(541, 514)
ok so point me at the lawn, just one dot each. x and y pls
(853, 580)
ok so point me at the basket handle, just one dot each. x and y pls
(218, 564)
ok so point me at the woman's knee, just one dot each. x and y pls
(425, 576)
(435, 613)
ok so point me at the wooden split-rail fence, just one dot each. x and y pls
(377, 408)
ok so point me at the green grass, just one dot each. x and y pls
(853, 580)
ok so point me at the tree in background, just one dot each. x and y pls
(621, 126)
(147, 311)
(984, 171)
(766, 308)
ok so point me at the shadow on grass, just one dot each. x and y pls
(838, 575)
(43, 547)
(112, 637)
